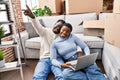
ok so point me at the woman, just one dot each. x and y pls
(65, 46)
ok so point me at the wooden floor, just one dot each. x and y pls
(28, 72)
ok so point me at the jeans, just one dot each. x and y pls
(70, 74)
(93, 72)
(90, 73)
(44, 67)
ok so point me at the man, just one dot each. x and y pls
(44, 66)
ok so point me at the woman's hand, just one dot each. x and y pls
(28, 12)
(80, 54)
(66, 65)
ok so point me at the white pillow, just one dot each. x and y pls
(102, 16)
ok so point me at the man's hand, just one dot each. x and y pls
(28, 12)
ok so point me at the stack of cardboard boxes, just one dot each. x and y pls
(111, 51)
(72, 6)
(112, 25)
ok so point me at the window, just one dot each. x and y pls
(31, 4)
(4, 17)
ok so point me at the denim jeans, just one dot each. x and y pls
(44, 67)
(70, 74)
(92, 72)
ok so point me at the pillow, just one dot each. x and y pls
(50, 21)
(29, 28)
(42, 23)
(76, 20)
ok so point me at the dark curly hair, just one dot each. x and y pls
(68, 25)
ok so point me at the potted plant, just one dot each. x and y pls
(2, 32)
(2, 61)
(37, 11)
(105, 6)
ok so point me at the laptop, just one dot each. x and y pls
(83, 61)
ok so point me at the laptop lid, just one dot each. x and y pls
(85, 61)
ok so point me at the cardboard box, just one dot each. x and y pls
(94, 27)
(63, 7)
(112, 29)
(54, 5)
(82, 6)
(94, 32)
(116, 6)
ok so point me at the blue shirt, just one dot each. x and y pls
(66, 47)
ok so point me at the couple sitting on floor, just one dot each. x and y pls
(63, 48)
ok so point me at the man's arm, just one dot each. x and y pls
(35, 22)
(29, 13)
